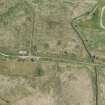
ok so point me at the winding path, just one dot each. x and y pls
(101, 16)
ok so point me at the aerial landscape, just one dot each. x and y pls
(52, 52)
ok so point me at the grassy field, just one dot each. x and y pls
(101, 82)
(16, 29)
(53, 31)
(44, 30)
(50, 83)
(60, 83)
(40, 28)
(92, 33)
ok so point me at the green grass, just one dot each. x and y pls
(95, 19)
(12, 12)
(39, 71)
(91, 23)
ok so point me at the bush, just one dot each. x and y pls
(39, 71)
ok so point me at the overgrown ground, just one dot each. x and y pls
(41, 28)
(47, 83)
(65, 62)
(92, 32)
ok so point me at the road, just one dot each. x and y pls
(101, 18)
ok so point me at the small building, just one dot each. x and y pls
(23, 53)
